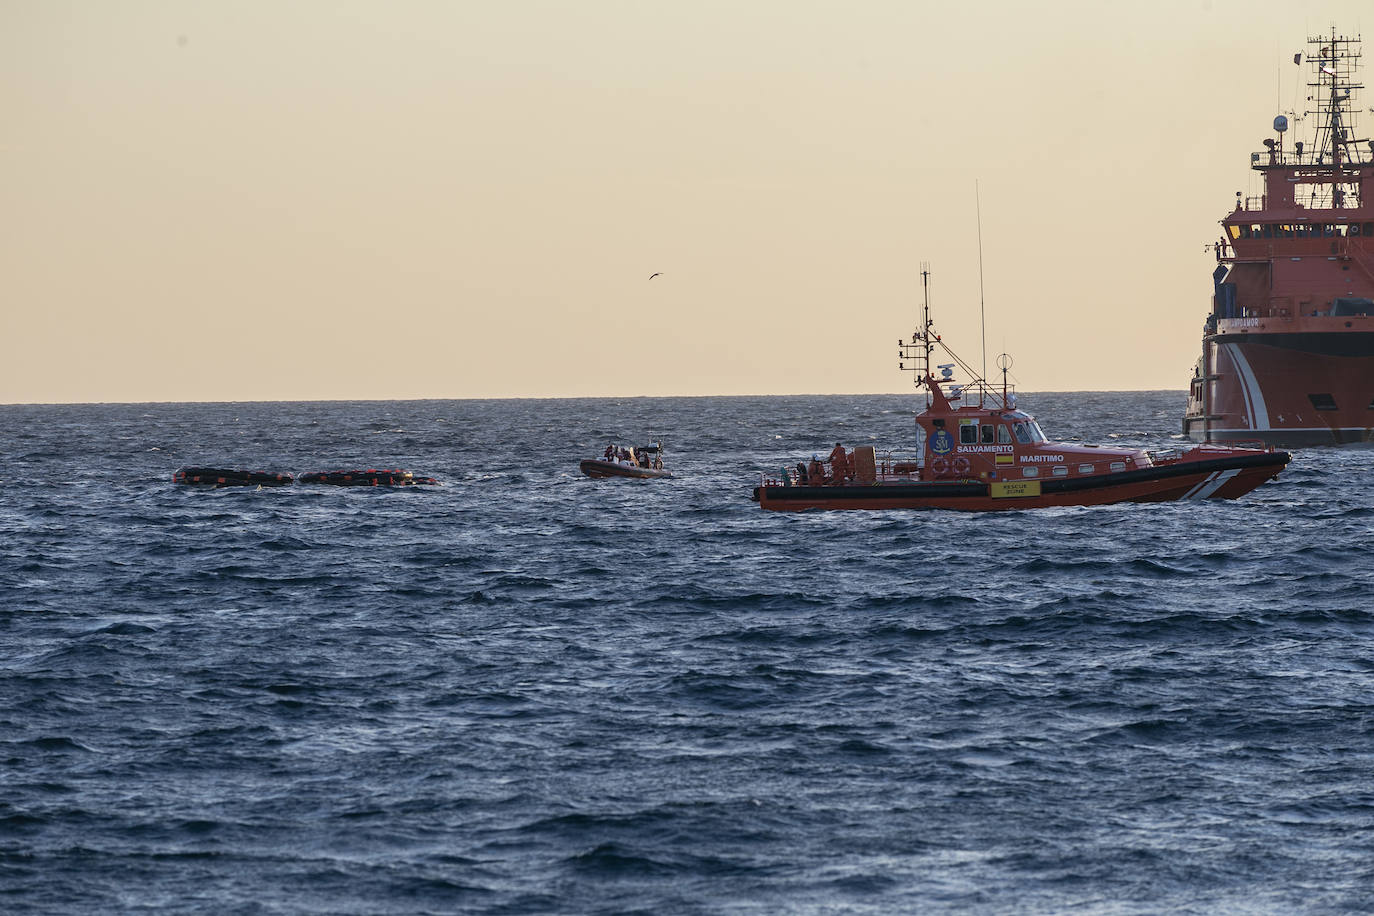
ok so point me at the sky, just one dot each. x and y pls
(340, 200)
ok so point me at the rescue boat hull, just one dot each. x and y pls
(1216, 478)
(600, 469)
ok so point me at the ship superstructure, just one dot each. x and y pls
(1288, 349)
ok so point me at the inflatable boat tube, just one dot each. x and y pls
(229, 477)
(371, 477)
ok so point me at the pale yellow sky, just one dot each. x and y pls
(339, 200)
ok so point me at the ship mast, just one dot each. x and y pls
(919, 349)
(1334, 68)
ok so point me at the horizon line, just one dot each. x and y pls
(609, 397)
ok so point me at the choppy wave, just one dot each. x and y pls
(527, 692)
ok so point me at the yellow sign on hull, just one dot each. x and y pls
(1006, 488)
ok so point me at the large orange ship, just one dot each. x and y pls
(1288, 350)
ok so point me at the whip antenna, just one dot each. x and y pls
(982, 315)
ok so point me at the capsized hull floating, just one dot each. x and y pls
(1288, 348)
(977, 452)
(601, 468)
(369, 477)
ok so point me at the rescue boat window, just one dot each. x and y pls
(1022, 435)
(1003, 435)
(1268, 230)
(968, 434)
(1235, 231)
(1035, 432)
(1061, 471)
(1322, 401)
(1369, 229)
(1085, 469)
(987, 435)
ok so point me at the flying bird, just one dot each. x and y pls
(651, 276)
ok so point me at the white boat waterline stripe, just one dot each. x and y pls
(1289, 429)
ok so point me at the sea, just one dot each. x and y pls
(525, 691)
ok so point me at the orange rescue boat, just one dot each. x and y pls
(976, 451)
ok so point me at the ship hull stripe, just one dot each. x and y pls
(1192, 494)
(1254, 398)
(1213, 483)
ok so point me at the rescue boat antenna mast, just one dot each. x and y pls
(925, 313)
(1004, 363)
(982, 312)
(919, 349)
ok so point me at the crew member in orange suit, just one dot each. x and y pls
(839, 463)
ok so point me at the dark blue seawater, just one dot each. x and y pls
(530, 692)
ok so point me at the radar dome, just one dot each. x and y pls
(1281, 123)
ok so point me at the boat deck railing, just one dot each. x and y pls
(1164, 455)
(892, 465)
(980, 394)
(889, 467)
(1174, 453)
